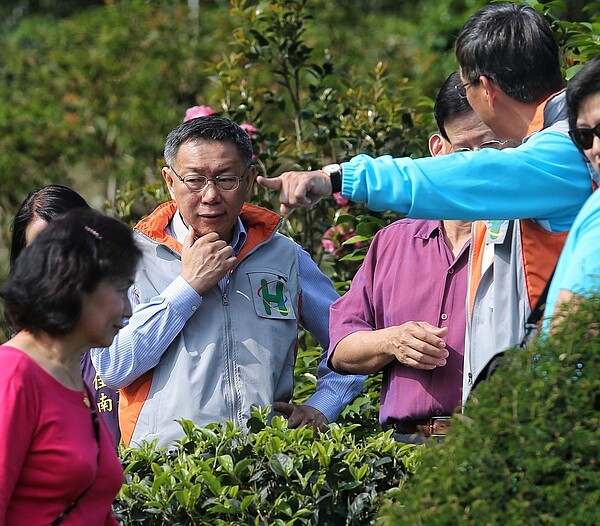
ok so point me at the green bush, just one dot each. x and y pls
(525, 451)
(178, 488)
(270, 475)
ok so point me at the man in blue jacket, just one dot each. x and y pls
(515, 86)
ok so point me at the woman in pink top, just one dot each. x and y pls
(40, 207)
(66, 294)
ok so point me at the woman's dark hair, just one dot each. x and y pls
(72, 255)
(586, 82)
(45, 203)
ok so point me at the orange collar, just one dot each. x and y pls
(259, 222)
(537, 123)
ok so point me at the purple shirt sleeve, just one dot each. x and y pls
(410, 274)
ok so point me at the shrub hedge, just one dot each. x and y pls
(525, 451)
(270, 475)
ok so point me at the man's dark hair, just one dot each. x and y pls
(513, 46)
(72, 255)
(449, 103)
(44, 203)
(586, 82)
(208, 128)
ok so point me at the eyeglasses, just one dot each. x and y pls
(462, 89)
(584, 137)
(497, 145)
(197, 183)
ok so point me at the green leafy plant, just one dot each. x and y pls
(221, 475)
(525, 451)
(300, 104)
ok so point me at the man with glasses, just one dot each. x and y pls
(414, 329)
(219, 296)
(510, 74)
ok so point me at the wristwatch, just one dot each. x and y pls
(335, 174)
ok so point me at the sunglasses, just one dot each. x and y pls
(584, 137)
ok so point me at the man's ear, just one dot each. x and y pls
(250, 179)
(168, 177)
(438, 145)
(491, 90)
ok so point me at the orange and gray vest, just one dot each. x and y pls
(235, 352)
(510, 264)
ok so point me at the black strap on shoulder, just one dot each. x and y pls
(530, 327)
(96, 424)
(536, 314)
(488, 370)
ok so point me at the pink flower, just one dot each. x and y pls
(333, 239)
(197, 111)
(249, 129)
(341, 201)
(328, 245)
(330, 239)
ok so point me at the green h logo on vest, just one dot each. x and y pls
(273, 299)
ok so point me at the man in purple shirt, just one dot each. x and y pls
(405, 310)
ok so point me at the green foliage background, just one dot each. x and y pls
(90, 91)
(525, 451)
(88, 96)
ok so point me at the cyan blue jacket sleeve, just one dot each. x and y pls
(545, 179)
(334, 391)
